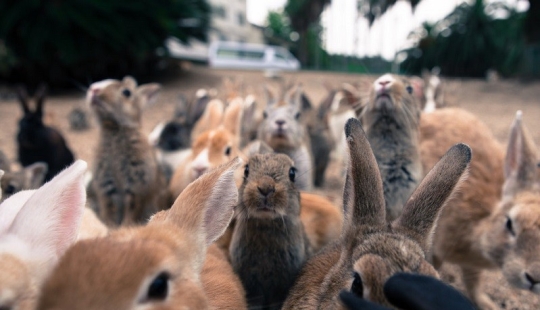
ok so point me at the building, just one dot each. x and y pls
(228, 23)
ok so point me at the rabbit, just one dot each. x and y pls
(283, 131)
(409, 291)
(78, 119)
(371, 249)
(36, 228)
(391, 119)
(5, 163)
(212, 147)
(127, 181)
(39, 142)
(172, 139)
(30, 177)
(269, 245)
(494, 225)
(1, 175)
(162, 265)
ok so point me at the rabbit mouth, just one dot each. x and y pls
(384, 102)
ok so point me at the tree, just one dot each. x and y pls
(61, 41)
(303, 15)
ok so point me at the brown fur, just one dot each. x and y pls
(30, 177)
(390, 119)
(115, 272)
(472, 231)
(322, 220)
(269, 245)
(128, 182)
(369, 246)
(220, 140)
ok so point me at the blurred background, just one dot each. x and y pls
(66, 43)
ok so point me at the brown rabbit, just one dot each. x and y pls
(217, 144)
(371, 250)
(390, 119)
(478, 233)
(30, 177)
(269, 245)
(128, 182)
(163, 265)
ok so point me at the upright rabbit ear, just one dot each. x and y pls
(49, 220)
(232, 118)
(205, 208)
(35, 174)
(520, 166)
(198, 106)
(22, 95)
(420, 292)
(256, 147)
(211, 118)
(269, 96)
(148, 93)
(40, 95)
(421, 211)
(363, 194)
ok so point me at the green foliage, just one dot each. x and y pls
(279, 27)
(470, 41)
(60, 41)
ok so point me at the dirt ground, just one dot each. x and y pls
(494, 103)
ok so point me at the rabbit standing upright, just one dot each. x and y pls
(284, 132)
(39, 142)
(371, 249)
(127, 182)
(269, 245)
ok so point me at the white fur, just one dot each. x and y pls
(202, 161)
(379, 85)
(173, 159)
(201, 93)
(98, 86)
(153, 137)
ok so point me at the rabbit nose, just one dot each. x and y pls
(280, 122)
(384, 83)
(266, 190)
(199, 170)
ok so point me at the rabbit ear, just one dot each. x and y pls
(363, 194)
(23, 99)
(212, 116)
(232, 118)
(181, 108)
(353, 302)
(40, 95)
(197, 108)
(148, 93)
(421, 211)
(294, 97)
(257, 147)
(420, 292)
(130, 81)
(269, 96)
(520, 166)
(35, 173)
(1, 175)
(205, 208)
(49, 221)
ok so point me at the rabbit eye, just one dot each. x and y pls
(509, 226)
(126, 92)
(409, 89)
(10, 190)
(357, 287)
(292, 174)
(228, 151)
(265, 115)
(159, 288)
(246, 171)
(297, 115)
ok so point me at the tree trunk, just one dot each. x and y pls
(303, 52)
(532, 22)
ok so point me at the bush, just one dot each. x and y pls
(67, 41)
(470, 41)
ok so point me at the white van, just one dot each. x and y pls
(233, 55)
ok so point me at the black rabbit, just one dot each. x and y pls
(38, 142)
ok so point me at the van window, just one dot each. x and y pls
(240, 54)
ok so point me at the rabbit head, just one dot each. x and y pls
(30, 177)
(120, 103)
(512, 240)
(391, 96)
(36, 228)
(220, 142)
(268, 189)
(281, 127)
(32, 120)
(156, 266)
(372, 249)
